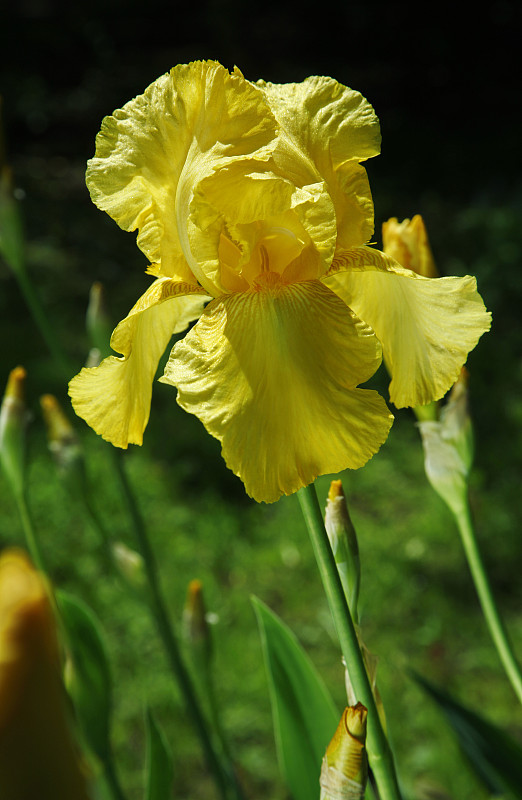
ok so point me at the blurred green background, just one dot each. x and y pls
(446, 95)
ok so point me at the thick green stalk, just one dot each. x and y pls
(379, 753)
(485, 595)
(226, 788)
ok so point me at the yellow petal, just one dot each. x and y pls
(114, 398)
(250, 207)
(427, 326)
(336, 128)
(272, 374)
(151, 154)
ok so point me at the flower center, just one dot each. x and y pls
(267, 278)
(271, 249)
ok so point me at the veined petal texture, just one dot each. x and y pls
(272, 374)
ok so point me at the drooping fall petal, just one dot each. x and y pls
(272, 374)
(114, 398)
(427, 326)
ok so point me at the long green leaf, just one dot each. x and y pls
(159, 771)
(88, 676)
(494, 755)
(305, 717)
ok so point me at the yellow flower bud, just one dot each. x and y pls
(38, 758)
(344, 771)
(407, 242)
(195, 625)
(64, 444)
(63, 441)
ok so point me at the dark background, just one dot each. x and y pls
(443, 81)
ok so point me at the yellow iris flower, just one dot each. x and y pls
(252, 196)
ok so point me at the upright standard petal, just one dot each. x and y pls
(151, 154)
(114, 398)
(253, 207)
(336, 128)
(427, 326)
(272, 374)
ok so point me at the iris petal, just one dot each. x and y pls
(245, 204)
(427, 326)
(272, 374)
(336, 128)
(151, 154)
(114, 398)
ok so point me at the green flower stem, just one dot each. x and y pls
(379, 752)
(489, 608)
(225, 787)
(215, 717)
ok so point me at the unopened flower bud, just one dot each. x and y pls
(130, 564)
(38, 757)
(99, 326)
(344, 771)
(343, 541)
(448, 447)
(407, 242)
(63, 441)
(13, 423)
(195, 624)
